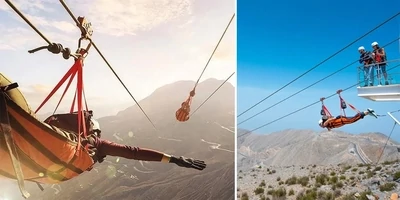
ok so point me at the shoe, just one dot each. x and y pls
(371, 84)
(386, 83)
(372, 112)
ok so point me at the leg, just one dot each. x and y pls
(366, 77)
(371, 75)
(355, 118)
(107, 148)
(383, 69)
(378, 72)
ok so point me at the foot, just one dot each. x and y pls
(371, 84)
(386, 83)
(372, 112)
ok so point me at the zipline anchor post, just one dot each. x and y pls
(394, 118)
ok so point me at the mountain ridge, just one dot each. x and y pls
(304, 147)
(203, 137)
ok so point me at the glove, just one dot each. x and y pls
(188, 162)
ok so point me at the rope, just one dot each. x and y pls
(333, 55)
(300, 109)
(28, 22)
(215, 49)
(394, 125)
(123, 84)
(315, 83)
(212, 94)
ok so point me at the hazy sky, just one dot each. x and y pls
(279, 40)
(149, 43)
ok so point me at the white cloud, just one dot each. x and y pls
(149, 43)
(128, 17)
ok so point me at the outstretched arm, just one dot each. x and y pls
(108, 148)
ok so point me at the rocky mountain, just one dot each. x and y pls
(341, 182)
(304, 164)
(304, 147)
(208, 136)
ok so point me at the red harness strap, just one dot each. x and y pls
(343, 104)
(324, 108)
(77, 68)
(72, 70)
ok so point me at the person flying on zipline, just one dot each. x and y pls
(100, 148)
(330, 122)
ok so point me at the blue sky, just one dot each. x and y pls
(279, 40)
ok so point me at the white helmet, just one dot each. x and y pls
(320, 122)
(361, 48)
(96, 125)
(374, 44)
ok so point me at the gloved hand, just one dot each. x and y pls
(188, 162)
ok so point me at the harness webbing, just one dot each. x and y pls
(75, 70)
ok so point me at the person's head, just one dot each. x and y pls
(361, 49)
(321, 123)
(375, 45)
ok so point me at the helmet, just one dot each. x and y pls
(320, 122)
(374, 44)
(96, 125)
(361, 48)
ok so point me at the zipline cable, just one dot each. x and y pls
(108, 64)
(77, 23)
(298, 110)
(215, 49)
(333, 55)
(27, 21)
(212, 94)
(315, 83)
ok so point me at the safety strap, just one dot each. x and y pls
(324, 109)
(81, 119)
(73, 102)
(5, 128)
(65, 91)
(76, 69)
(343, 104)
(59, 84)
(8, 87)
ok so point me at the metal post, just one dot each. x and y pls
(359, 76)
(394, 118)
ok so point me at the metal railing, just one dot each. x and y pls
(376, 75)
